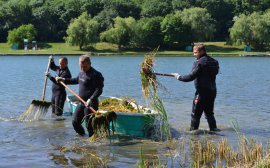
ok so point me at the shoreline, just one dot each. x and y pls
(219, 49)
(255, 55)
(173, 54)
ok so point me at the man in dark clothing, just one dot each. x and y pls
(58, 91)
(203, 72)
(90, 88)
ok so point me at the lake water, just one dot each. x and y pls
(243, 96)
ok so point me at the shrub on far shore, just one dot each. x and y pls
(17, 35)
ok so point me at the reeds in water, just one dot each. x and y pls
(150, 86)
(149, 163)
(202, 153)
(208, 153)
(221, 154)
(164, 129)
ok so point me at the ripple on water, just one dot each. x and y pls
(243, 95)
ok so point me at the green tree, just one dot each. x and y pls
(152, 8)
(241, 32)
(249, 6)
(260, 30)
(175, 32)
(17, 35)
(125, 8)
(200, 21)
(105, 19)
(82, 31)
(49, 20)
(14, 13)
(180, 5)
(251, 30)
(222, 12)
(70, 9)
(93, 7)
(148, 33)
(120, 33)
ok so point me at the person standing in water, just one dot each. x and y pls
(58, 91)
(91, 83)
(204, 71)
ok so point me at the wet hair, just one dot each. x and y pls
(64, 59)
(85, 58)
(200, 47)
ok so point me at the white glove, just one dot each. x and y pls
(51, 58)
(59, 79)
(48, 74)
(176, 75)
(89, 102)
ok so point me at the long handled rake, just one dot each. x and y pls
(100, 121)
(37, 108)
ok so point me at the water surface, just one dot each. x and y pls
(243, 96)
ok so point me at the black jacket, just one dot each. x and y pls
(203, 73)
(64, 73)
(90, 84)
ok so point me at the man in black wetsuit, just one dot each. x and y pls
(90, 88)
(203, 72)
(58, 91)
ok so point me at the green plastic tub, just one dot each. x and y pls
(134, 124)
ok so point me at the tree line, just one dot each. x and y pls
(137, 23)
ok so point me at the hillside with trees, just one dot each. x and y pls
(138, 24)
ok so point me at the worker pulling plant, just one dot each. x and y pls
(204, 71)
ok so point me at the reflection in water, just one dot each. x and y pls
(77, 156)
(58, 159)
(83, 153)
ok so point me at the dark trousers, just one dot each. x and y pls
(81, 113)
(203, 102)
(58, 102)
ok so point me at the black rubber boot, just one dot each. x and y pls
(211, 123)
(215, 130)
(194, 123)
(78, 128)
(89, 126)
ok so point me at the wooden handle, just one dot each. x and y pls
(45, 81)
(161, 74)
(78, 97)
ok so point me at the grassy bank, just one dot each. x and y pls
(213, 48)
(48, 48)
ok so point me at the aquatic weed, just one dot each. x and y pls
(150, 85)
